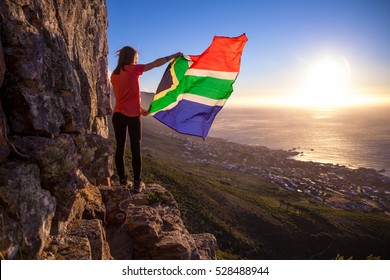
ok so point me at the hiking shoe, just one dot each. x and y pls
(125, 183)
(139, 186)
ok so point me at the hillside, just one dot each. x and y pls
(252, 216)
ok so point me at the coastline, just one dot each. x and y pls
(354, 137)
(333, 185)
(336, 186)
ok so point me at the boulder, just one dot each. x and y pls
(94, 231)
(143, 223)
(69, 247)
(27, 211)
(94, 206)
(71, 204)
(173, 245)
(206, 244)
(149, 226)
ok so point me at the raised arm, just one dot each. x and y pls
(161, 61)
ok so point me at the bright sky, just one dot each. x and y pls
(323, 52)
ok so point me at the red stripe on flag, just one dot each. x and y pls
(224, 54)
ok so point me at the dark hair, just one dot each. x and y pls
(126, 57)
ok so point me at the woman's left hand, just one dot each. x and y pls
(144, 112)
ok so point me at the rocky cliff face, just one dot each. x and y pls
(55, 159)
(56, 60)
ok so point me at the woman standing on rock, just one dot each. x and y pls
(127, 110)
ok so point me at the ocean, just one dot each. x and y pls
(354, 137)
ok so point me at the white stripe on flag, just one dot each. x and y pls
(203, 100)
(211, 73)
(194, 98)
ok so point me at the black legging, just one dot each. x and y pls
(133, 125)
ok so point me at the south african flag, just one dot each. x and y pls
(194, 89)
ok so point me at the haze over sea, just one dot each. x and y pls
(354, 137)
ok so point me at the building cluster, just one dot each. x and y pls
(333, 185)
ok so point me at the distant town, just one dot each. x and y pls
(333, 185)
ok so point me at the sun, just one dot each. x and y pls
(326, 83)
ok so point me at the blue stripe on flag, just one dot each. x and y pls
(189, 118)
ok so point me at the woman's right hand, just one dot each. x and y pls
(178, 54)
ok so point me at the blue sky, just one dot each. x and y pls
(286, 38)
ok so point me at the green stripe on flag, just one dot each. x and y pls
(212, 88)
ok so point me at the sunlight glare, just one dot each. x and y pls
(326, 83)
